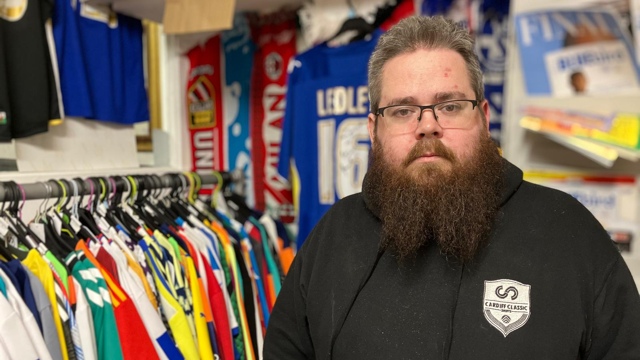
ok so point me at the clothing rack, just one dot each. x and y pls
(34, 191)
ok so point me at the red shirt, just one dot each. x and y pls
(134, 339)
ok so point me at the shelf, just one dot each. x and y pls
(154, 9)
(602, 153)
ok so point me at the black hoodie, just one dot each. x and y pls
(549, 284)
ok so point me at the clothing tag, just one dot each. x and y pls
(57, 224)
(142, 232)
(148, 209)
(221, 204)
(38, 229)
(101, 223)
(201, 206)
(234, 206)
(4, 227)
(76, 225)
(13, 241)
(102, 209)
(109, 232)
(132, 213)
(42, 249)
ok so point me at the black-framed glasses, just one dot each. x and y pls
(449, 114)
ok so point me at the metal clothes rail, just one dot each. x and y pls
(39, 190)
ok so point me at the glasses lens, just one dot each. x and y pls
(401, 119)
(454, 114)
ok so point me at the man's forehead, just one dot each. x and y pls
(438, 97)
(433, 75)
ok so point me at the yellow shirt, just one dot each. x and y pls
(41, 269)
(173, 311)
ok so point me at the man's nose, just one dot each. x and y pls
(428, 126)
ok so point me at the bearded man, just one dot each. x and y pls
(447, 253)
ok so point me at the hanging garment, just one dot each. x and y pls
(14, 335)
(132, 284)
(84, 319)
(171, 308)
(26, 318)
(95, 289)
(133, 337)
(39, 267)
(20, 281)
(43, 303)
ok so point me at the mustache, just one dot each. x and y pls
(434, 146)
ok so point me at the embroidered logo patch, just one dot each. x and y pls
(506, 304)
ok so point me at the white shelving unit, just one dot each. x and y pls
(532, 151)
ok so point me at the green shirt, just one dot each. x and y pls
(97, 293)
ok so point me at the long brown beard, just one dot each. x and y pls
(453, 205)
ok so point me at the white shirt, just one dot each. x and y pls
(18, 327)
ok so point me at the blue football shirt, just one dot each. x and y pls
(325, 127)
(100, 63)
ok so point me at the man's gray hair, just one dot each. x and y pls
(422, 32)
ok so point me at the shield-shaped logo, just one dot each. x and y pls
(506, 304)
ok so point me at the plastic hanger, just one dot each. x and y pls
(44, 203)
(55, 227)
(352, 30)
(90, 228)
(20, 230)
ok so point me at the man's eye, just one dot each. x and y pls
(403, 112)
(449, 108)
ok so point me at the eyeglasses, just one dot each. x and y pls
(452, 114)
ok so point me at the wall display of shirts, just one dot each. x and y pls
(171, 278)
(100, 62)
(91, 67)
(28, 97)
(578, 51)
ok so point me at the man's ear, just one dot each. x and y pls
(371, 126)
(484, 107)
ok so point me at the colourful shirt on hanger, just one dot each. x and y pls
(133, 337)
(133, 286)
(95, 289)
(26, 318)
(169, 305)
(49, 330)
(40, 268)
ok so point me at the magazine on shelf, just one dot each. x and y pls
(576, 52)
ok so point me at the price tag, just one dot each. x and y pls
(102, 209)
(13, 241)
(4, 228)
(201, 206)
(38, 229)
(42, 249)
(192, 210)
(76, 225)
(57, 224)
(102, 224)
(148, 209)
